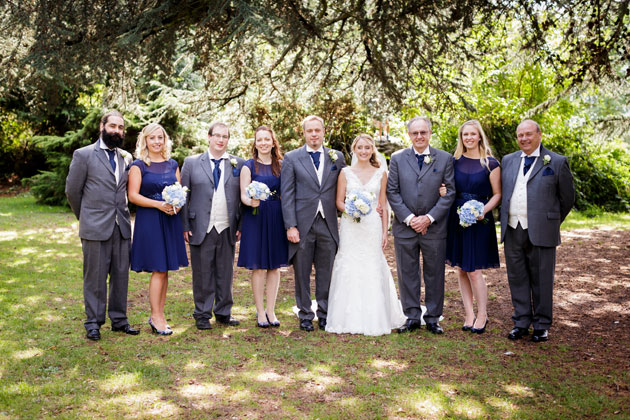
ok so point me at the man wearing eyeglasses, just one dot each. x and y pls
(419, 226)
(211, 219)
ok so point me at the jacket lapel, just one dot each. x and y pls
(327, 164)
(227, 169)
(515, 165)
(204, 161)
(538, 165)
(101, 155)
(307, 162)
(426, 166)
(413, 161)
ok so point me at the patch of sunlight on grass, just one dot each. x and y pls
(139, 405)
(320, 376)
(427, 404)
(388, 364)
(194, 366)
(505, 406)
(28, 354)
(520, 390)
(349, 402)
(241, 395)
(20, 388)
(122, 382)
(469, 408)
(33, 300)
(198, 390)
(268, 376)
(8, 235)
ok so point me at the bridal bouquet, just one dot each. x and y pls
(175, 195)
(469, 212)
(258, 191)
(358, 204)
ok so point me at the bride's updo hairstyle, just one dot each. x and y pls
(373, 160)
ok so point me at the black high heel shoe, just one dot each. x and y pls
(159, 332)
(468, 327)
(264, 324)
(273, 324)
(479, 330)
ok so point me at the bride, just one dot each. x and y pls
(362, 297)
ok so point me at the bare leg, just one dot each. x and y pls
(273, 283)
(157, 298)
(467, 296)
(258, 289)
(480, 291)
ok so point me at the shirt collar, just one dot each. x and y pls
(535, 153)
(310, 149)
(103, 146)
(224, 156)
(424, 152)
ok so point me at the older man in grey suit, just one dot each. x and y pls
(538, 194)
(211, 220)
(415, 176)
(96, 188)
(309, 189)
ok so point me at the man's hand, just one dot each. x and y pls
(187, 235)
(238, 235)
(420, 224)
(293, 235)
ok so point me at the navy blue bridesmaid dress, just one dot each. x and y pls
(475, 247)
(158, 238)
(264, 242)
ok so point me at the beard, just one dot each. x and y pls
(112, 140)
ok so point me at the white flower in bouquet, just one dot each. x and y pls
(359, 204)
(258, 191)
(175, 195)
(469, 212)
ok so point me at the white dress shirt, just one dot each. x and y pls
(320, 173)
(105, 149)
(517, 212)
(426, 152)
(219, 218)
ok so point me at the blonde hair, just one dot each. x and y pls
(313, 118)
(373, 160)
(142, 152)
(484, 146)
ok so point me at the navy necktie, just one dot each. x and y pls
(420, 161)
(529, 160)
(315, 157)
(112, 156)
(216, 174)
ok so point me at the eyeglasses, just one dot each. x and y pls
(418, 133)
(225, 137)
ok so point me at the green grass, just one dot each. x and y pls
(49, 370)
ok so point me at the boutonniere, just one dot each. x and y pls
(333, 156)
(428, 159)
(126, 157)
(546, 159)
(233, 162)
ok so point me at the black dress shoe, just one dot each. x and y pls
(479, 330)
(203, 324)
(322, 323)
(93, 335)
(435, 328)
(306, 325)
(126, 329)
(517, 333)
(539, 336)
(409, 325)
(227, 320)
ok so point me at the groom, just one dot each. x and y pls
(415, 176)
(309, 190)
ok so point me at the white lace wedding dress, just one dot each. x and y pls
(362, 297)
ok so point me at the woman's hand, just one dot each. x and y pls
(167, 208)
(442, 190)
(254, 202)
(384, 241)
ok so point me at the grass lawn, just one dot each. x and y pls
(49, 370)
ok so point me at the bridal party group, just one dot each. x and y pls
(310, 210)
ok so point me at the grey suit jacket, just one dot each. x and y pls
(412, 191)
(301, 192)
(197, 175)
(95, 198)
(550, 195)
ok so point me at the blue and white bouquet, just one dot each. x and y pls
(358, 204)
(469, 212)
(175, 195)
(258, 191)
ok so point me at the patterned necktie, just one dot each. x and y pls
(112, 156)
(420, 161)
(216, 174)
(528, 163)
(315, 157)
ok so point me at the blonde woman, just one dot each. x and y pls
(362, 298)
(158, 239)
(473, 248)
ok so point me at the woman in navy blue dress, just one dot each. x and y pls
(158, 240)
(477, 177)
(264, 246)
